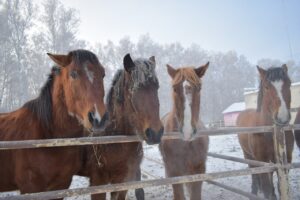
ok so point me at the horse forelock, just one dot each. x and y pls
(186, 73)
(81, 56)
(276, 73)
(144, 73)
(273, 74)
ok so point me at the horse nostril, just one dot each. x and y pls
(91, 116)
(194, 131)
(161, 130)
(148, 133)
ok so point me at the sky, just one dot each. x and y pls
(255, 28)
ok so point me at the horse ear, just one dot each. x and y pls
(171, 71)
(61, 60)
(128, 63)
(285, 68)
(261, 71)
(152, 59)
(200, 71)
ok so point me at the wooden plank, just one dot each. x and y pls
(121, 139)
(236, 190)
(240, 160)
(139, 184)
(281, 160)
(4, 145)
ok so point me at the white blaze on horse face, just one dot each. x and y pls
(283, 112)
(187, 123)
(97, 115)
(89, 73)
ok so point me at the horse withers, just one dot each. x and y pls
(273, 106)
(185, 156)
(70, 100)
(133, 108)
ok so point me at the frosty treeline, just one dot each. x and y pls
(28, 30)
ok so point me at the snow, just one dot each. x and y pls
(296, 84)
(226, 145)
(235, 107)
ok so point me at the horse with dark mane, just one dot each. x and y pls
(297, 132)
(70, 100)
(133, 108)
(188, 156)
(273, 106)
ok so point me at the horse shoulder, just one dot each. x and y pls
(247, 118)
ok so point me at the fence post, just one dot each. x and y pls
(281, 160)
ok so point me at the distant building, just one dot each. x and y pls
(251, 99)
(231, 113)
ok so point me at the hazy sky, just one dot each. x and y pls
(255, 28)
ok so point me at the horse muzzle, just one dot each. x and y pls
(98, 125)
(153, 137)
(282, 122)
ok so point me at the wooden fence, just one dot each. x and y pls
(281, 166)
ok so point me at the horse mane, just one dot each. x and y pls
(42, 105)
(144, 74)
(272, 74)
(186, 73)
(115, 90)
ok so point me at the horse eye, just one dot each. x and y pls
(74, 74)
(267, 87)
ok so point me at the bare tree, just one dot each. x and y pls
(18, 21)
(60, 25)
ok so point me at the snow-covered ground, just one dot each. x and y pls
(227, 145)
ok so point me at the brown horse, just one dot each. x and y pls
(133, 108)
(185, 157)
(71, 100)
(273, 106)
(297, 132)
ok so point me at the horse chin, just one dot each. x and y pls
(189, 136)
(186, 137)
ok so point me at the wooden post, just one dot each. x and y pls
(281, 160)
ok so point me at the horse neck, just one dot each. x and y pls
(264, 115)
(64, 125)
(174, 117)
(121, 116)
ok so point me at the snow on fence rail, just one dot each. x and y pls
(281, 166)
